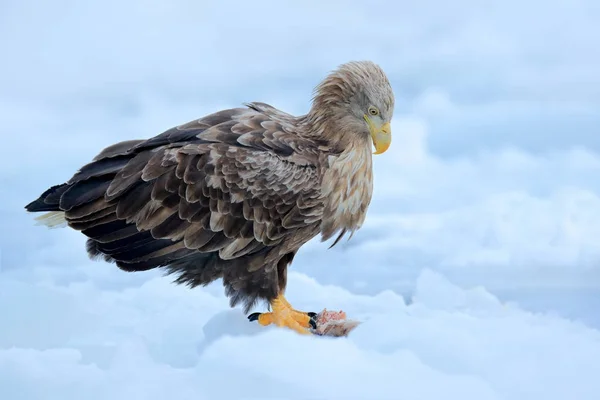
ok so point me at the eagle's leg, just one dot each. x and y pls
(284, 315)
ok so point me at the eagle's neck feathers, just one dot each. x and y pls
(347, 187)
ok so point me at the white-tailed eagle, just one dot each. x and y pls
(235, 194)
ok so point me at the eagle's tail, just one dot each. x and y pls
(52, 219)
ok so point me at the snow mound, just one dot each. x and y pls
(162, 341)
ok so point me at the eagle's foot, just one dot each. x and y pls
(284, 315)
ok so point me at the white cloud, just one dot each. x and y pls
(75, 341)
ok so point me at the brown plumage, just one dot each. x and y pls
(235, 194)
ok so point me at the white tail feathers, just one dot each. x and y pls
(52, 219)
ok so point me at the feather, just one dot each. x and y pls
(95, 216)
(83, 192)
(104, 166)
(87, 209)
(130, 243)
(134, 200)
(117, 149)
(52, 219)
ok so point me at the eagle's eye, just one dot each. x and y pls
(373, 110)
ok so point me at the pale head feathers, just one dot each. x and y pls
(353, 87)
(341, 100)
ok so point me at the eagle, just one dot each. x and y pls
(235, 194)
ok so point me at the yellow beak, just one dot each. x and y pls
(381, 135)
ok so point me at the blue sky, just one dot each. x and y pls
(491, 180)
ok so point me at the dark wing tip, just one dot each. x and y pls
(49, 200)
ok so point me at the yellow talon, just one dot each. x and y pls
(284, 315)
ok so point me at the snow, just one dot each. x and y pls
(81, 340)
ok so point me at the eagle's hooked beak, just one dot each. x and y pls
(381, 135)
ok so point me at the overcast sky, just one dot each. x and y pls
(491, 180)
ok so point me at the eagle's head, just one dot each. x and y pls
(355, 102)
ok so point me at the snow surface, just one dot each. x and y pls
(83, 341)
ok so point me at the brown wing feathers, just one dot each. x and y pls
(213, 198)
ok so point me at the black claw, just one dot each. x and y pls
(313, 319)
(254, 316)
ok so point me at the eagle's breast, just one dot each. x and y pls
(347, 188)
